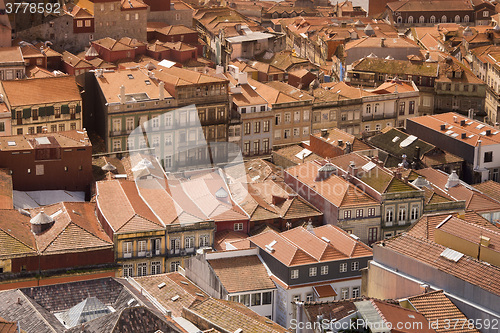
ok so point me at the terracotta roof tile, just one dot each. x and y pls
(395, 314)
(15, 233)
(175, 285)
(436, 307)
(345, 193)
(425, 226)
(232, 316)
(6, 194)
(240, 274)
(42, 91)
(298, 246)
(226, 237)
(466, 268)
(324, 291)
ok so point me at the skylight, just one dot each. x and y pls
(303, 153)
(396, 138)
(368, 166)
(11, 143)
(130, 76)
(408, 141)
(480, 126)
(451, 255)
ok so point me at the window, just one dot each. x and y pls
(87, 23)
(246, 147)
(31, 130)
(347, 214)
(402, 214)
(256, 147)
(156, 267)
(457, 19)
(288, 117)
(127, 249)
(402, 108)
(72, 126)
(263, 108)
(238, 226)
(294, 274)
(305, 130)
(256, 299)
(414, 213)
(267, 298)
(355, 266)
(266, 126)
(127, 17)
(174, 266)
(313, 271)
(378, 127)
(367, 128)
(117, 145)
(324, 270)
(277, 119)
(309, 297)
(168, 162)
(421, 19)
(355, 292)
(189, 242)
(136, 16)
(117, 125)
(410, 19)
(141, 248)
(256, 127)
(296, 116)
(359, 213)
(466, 18)
(204, 240)
(488, 156)
(2, 127)
(486, 13)
(128, 270)
(432, 19)
(265, 146)
(372, 235)
(34, 113)
(142, 269)
(444, 19)
(368, 109)
(296, 132)
(62, 127)
(57, 111)
(389, 215)
(168, 140)
(286, 134)
(343, 267)
(344, 293)
(411, 107)
(296, 298)
(156, 243)
(371, 211)
(277, 134)
(79, 23)
(247, 128)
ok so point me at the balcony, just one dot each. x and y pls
(182, 252)
(120, 132)
(137, 255)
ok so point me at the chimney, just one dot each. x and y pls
(324, 132)
(122, 94)
(455, 119)
(161, 87)
(340, 143)
(464, 135)
(219, 69)
(462, 122)
(443, 127)
(488, 132)
(484, 241)
(310, 227)
(417, 153)
(382, 42)
(352, 169)
(427, 55)
(348, 147)
(453, 180)
(243, 78)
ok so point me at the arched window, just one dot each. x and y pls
(444, 19)
(421, 19)
(400, 19)
(410, 19)
(432, 19)
(457, 19)
(466, 18)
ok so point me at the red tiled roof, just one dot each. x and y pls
(437, 308)
(240, 274)
(6, 196)
(299, 246)
(395, 314)
(324, 291)
(15, 234)
(435, 121)
(426, 225)
(226, 237)
(466, 268)
(345, 194)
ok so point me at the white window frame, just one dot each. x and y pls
(142, 248)
(343, 267)
(313, 271)
(155, 267)
(324, 270)
(238, 226)
(294, 274)
(355, 266)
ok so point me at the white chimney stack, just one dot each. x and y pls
(122, 94)
(243, 78)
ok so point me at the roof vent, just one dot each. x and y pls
(221, 193)
(41, 222)
(324, 132)
(161, 285)
(325, 171)
(451, 255)
(175, 298)
(488, 132)
(464, 135)
(325, 239)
